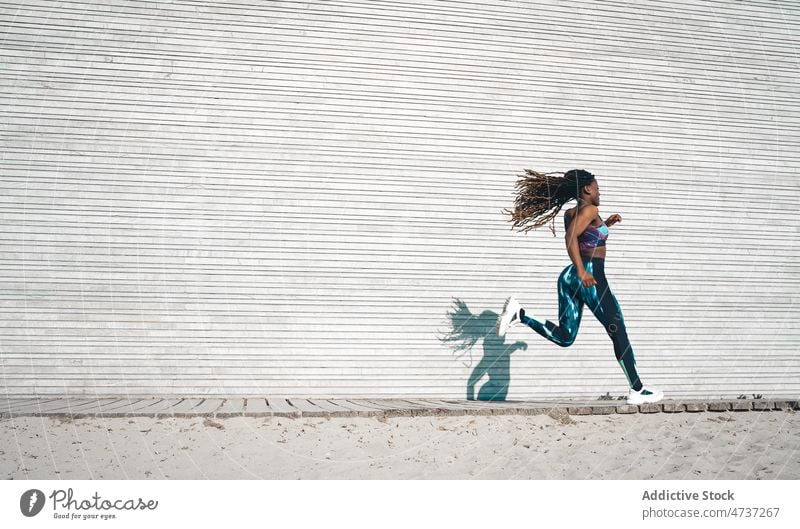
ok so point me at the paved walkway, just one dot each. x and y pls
(321, 407)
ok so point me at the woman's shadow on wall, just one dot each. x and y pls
(465, 332)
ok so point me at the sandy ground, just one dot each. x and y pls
(709, 445)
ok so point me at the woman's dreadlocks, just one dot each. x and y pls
(540, 197)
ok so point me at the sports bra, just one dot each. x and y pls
(592, 237)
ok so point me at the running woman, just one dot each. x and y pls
(583, 281)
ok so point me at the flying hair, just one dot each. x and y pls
(540, 196)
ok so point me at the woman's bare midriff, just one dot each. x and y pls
(600, 252)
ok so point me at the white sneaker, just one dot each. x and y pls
(645, 395)
(509, 315)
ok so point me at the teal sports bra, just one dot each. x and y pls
(592, 237)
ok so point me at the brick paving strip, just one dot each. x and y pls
(338, 407)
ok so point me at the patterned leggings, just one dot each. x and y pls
(601, 301)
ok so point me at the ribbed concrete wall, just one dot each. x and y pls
(285, 198)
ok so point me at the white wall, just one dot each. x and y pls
(284, 198)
